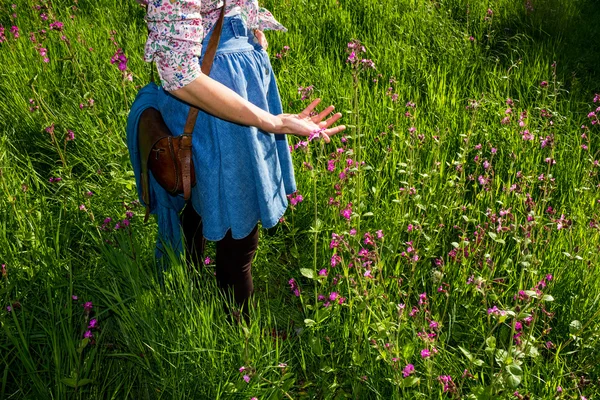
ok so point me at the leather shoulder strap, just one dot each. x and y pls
(207, 62)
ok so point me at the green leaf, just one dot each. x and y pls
(574, 326)
(309, 322)
(514, 375)
(74, 383)
(408, 351)
(71, 382)
(410, 382)
(357, 357)
(491, 342)
(294, 252)
(547, 297)
(316, 346)
(466, 353)
(83, 344)
(482, 393)
(309, 273)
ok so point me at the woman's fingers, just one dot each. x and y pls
(330, 121)
(333, 131)
(308, 110)
(319, 117)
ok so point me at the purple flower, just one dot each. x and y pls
(93, 324)
(518, 326)
(294, 287)
(446, 381)
(87, 307)
(408, 370)
(543, 83)
(246, 378)
(88, 334)
(425, 353)
(335, 260)
(57, 26)
(347, 212)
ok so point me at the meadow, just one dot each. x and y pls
(446, 245)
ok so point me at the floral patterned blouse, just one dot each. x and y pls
(176, 30)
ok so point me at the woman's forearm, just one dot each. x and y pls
(217, 99)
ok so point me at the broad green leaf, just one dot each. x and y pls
(574, 326)
(514, 375)
(309, 273)
(357, 358)
(71, 382)
(83, 344)
(410, 382)
(408, 350)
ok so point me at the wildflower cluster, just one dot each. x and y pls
(284, 52)
(355, 49)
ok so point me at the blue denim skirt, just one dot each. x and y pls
(243, 174)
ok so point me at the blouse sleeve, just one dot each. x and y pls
(175, 45)
(262, 19)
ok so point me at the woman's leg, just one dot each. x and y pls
(195, 243)
(234, 267)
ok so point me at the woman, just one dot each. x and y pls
(241, 156)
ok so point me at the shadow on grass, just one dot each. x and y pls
(566, 31)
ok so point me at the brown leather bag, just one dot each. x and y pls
(170, 157)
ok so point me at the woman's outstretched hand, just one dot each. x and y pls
(304, 124)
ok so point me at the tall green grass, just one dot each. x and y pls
(478, 245)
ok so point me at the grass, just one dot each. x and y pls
(485, 237)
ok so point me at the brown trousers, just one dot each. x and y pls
(233, 259)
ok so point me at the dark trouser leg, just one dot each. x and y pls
(234, 267)
(192, 231)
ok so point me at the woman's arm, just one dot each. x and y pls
(222, 102)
